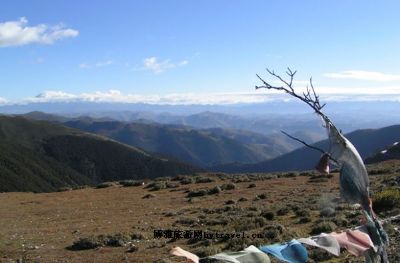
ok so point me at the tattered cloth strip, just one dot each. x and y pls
(358, 242)
(177, 251)
(355, 241)
(323, 241)
(248, 255)
(292, 252)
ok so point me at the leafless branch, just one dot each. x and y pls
(310, 97)
(308, 145)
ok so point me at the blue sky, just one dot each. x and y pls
(176, 50)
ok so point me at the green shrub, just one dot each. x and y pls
(157, 186)
(186, 221)
(340, 221)
(64, 189)
(268, 215)
(323, 227)
(201, 180)
(230, 202)
(304, 220)
(197, 193)
(105, 185)
(215, 221)
(288, 175)
(385, 200)
(117, 240)
(171, 185)
(302, 213)
(282, 211)
(128, 183)
(137, 236)
(229, 186)
(187, 180)
(206, 251)
(214, 190)
(85, 243)
(262, 196)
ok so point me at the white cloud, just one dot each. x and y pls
(363, 75)
(49, 96)
(156, 66)
(183, 63)
(171, 99)
(99, 64)
(327, 93)
(104, 63)
(84, 65)
(18, 33)
(3, 101)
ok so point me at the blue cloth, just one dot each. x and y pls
(292, 252)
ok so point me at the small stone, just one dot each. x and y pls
(132, 248)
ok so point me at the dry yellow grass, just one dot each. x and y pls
(39, 227)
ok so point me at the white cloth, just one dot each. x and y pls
(323, 241)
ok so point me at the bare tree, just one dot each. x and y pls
(354, 182)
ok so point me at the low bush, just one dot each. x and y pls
(201, 180)
(105, 185)
(323, 227)
(85, 243)
(196, 193)
(230, 202)
(302, 213)
(187, 180)
(269, 215)
(229, 186)
(214, 190)
(156, 186)
(64, 189)
(282, 211)
(304, 220)
(386, 200)
(116, 240)
(128, 183)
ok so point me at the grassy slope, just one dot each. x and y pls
(40, 156)
(48, 223)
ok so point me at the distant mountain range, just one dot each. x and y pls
(368, 143)
(40, 156)
(267, 117)
(199, 147)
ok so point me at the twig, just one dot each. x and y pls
(310, 146)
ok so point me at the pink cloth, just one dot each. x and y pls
(323, 164)
(355, 241)
(177, 251)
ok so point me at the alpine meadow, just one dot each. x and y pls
(199, 131)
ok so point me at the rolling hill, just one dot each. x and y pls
(200, 147)
(40, 156)
(367, 142)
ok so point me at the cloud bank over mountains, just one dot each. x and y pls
(260, 96)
